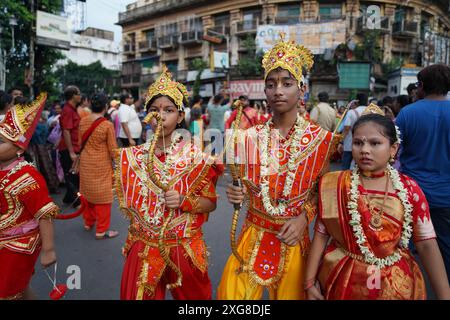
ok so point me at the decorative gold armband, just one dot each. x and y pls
(50, 210)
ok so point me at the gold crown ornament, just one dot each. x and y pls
(21, 120)
(237, 104)
(290, 56)
(164, 85)
(373, 109)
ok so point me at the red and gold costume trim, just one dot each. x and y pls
(268, 255)
(140, 200)
(24, 200)
(48, 211)
(21, 120)
(17, 296)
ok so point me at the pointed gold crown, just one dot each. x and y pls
(373, 109)
(290, 56)
(164, 85)
(237, 104)
(21, 120)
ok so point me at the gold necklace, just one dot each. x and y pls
(376, 218)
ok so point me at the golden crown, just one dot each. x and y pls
(21, 120)
(164, 85)
(373, 109)
(290, 56)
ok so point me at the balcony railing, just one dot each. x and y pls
(156, 8)
(181, 75)
(287, 19)
(129, 48)
(149, 78)
(148, 45)
(402, 46)
(169, 41)
(222, 29)
(329, 17)
(364, 24)
(133, 79)
(191, 37)
(405, 28)
(248, 26)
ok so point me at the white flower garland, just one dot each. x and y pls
(355, 221)
(280, 209)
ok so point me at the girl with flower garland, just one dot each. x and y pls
(282, 161)
(166, 188)
(371, 214)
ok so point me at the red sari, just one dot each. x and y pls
(344, 274)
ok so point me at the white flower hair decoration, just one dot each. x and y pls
(399, 134)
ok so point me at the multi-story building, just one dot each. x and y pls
(91, 45)
(175, 32)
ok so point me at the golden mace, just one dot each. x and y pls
(234, 169)
(164, 187)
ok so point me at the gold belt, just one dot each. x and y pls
(352, 255)
(137, 235)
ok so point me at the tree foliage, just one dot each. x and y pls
(89, 78)
(250, 64)
(17, 53)
(369, 48)
(199, 65)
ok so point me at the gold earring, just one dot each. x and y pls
(392, 159)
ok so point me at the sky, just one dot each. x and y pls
(104, 14)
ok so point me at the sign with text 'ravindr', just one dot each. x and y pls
(254, 89)
(52, 30)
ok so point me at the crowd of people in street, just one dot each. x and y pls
(393, 190)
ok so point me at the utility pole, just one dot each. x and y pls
(2, 64)
(2, 69)
(32, 43)
(229, 64)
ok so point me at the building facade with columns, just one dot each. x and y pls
(175, 32)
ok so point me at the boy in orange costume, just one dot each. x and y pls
(283, 160)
